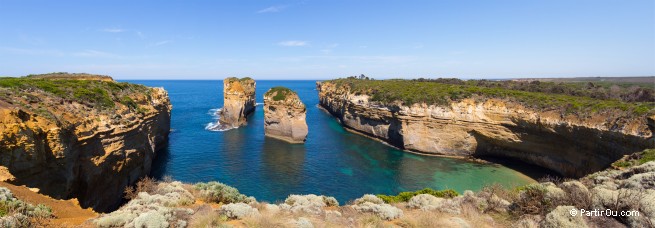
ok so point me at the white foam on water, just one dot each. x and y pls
(216, 126)
(215, 112)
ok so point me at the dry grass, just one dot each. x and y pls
(267, 220)
(146, 184)
(206, 217)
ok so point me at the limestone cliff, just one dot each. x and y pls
(568, 144)
(284, 115)
(238, 103)
(85, 139)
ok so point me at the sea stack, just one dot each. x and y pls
(284, 115)
(238, 102)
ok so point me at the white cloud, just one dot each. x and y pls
(163, 42)
(293, 43)
(272, 9)
(113, 30)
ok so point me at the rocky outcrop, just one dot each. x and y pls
(238, 103)
(69, 149)
(284, 115)
(570, 145)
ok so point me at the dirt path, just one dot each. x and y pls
(68, 212)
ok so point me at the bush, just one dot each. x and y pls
(146, 184)
(330, 201)
(151, 219)
(532, 200)
(238, 210)
(561, 217)
(309, 203)
(383, 211)
(5, 194)
(369, 198)
(16, 213)
(153, 207)
(576, 194)
(424, 202)
(220, 193)
(405, 196)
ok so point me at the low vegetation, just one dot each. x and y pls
(405, 196)
(231, 79)
(16, 213)
(280, 93)
(93, 93)
(570, 98)
(636, 159)
(220, 193)
(605, 90)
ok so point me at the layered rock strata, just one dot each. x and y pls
(68, 149)
(238, 103)
(284, 115)
(570, 145)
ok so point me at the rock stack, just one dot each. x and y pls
(284, 115)
(238, 102)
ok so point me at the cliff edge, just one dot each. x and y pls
(460, 120)
(85, 139)
(284, 115)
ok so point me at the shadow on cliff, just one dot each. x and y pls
(159, 164)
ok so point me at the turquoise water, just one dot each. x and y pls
(332, 162)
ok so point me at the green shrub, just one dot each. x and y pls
(129, 102)
(280, 93)
(637, 158)
(647, 155)
(220, 193)
(405, 196)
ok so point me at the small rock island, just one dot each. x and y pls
(238, 102)
(284, 115)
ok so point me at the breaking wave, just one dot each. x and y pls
(216, 124)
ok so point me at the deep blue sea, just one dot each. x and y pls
(332, 162)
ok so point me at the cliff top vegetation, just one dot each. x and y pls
(51, 98)
(230, 79)
(579, 97)
(280, 93)
(66, 75)
(100, 94)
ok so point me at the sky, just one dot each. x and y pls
(328, 39)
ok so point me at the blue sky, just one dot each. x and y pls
(328, 39)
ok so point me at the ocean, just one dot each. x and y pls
(332, 162)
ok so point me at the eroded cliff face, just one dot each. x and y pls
(238, 103)
(284, 116)
(570, 145)
(70, 150)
